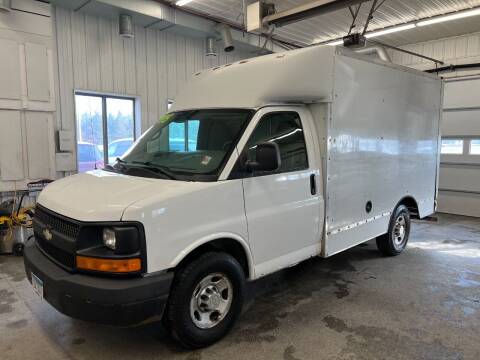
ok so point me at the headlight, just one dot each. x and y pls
(123, 240)
(117, 247)
(109, 239)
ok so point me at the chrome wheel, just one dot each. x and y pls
(399, 231)
(211, 300)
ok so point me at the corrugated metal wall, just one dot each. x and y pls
(153, 65)
(454, 50)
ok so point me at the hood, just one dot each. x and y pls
(101, 195)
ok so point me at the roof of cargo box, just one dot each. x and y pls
(296, 75)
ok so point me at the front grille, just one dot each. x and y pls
(60, 256)
(53, 248)
(62, 226)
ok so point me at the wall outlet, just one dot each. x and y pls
(66, 140)
(65, 161)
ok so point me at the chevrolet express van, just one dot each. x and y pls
(284, 157)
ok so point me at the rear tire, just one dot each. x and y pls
(395, 240)
(206, 300)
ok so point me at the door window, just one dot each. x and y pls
(285, 129)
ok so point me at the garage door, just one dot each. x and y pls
(459, 183)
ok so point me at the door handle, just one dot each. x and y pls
(313, 185)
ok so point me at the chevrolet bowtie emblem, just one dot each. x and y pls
(47, 234)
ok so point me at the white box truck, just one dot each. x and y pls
(261, 164)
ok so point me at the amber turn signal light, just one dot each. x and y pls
(109, 265)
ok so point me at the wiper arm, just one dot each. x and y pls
(154, 168)
(161, 169)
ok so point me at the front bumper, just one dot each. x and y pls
(112, 301)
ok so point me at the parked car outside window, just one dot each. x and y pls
(89, 157)
(117, 148)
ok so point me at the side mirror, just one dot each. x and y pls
(267, 158)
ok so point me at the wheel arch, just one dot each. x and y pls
(411, 204)
(232, 244)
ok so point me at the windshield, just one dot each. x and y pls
(193, 143)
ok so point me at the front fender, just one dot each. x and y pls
(223, 235)
(179, 220)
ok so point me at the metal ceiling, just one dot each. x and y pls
(335, 25)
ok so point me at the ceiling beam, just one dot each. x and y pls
(305, 11)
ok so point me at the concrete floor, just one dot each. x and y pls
(424, 304)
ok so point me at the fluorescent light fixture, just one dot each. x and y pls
(390, 30)
(335, 43)
(458, 15)
(377, 33)
(394, 29)
(183, 2)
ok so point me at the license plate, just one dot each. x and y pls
(37, 285)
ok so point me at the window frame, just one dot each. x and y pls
(238, 172)
(470, 146)
(466, 147)
(459, 138)
(104, 97)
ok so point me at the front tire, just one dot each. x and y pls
(206, 300)
(395, 240)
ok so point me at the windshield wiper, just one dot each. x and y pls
(147, 165)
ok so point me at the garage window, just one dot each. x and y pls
(452, 146)
(475, 147)
(105, 129)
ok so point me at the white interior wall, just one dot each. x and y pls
(27, 94)
(152, 66)
(84, 52)
(49, 52)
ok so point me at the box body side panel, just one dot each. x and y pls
(382, 147)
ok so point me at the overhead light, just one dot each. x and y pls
(378, 33)
(183, 2)
(390, 30)
(435, 20)
(458, 15)
(335, 43)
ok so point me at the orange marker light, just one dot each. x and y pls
(109, 265)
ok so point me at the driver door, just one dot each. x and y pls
(284, 208)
